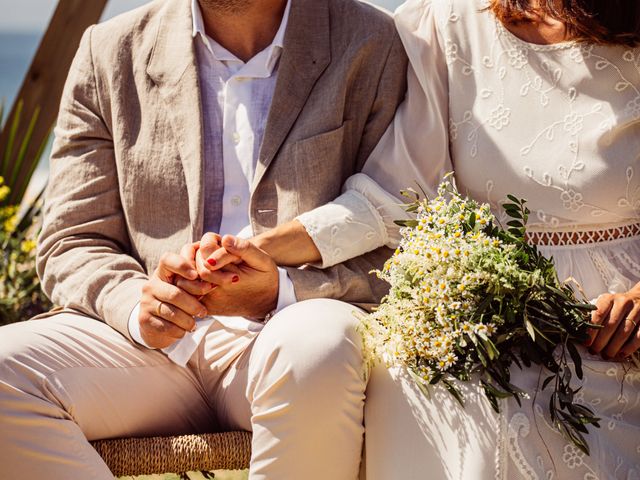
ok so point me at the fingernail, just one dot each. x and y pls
(235, 279)
(212, 262)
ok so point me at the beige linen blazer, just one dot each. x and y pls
(126, 181)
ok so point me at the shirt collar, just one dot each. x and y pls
(271, 53)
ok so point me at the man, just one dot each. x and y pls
(179, 118)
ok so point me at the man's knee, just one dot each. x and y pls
(314, 339)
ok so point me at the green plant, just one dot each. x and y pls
(16, 166)
(20, 293)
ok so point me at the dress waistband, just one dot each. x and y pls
(583, 237)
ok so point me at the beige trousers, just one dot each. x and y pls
(298, 385)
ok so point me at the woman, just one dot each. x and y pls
(541, 100)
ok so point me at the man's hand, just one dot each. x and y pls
(619, 315)
(246, 287)
(166, 311)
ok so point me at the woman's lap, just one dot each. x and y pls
(413, 436)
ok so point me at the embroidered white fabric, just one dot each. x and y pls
(558, 125)
(360, 220)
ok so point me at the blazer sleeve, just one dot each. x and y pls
(351, 281)
(413, 152)
(83, 260)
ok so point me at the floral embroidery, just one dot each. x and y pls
(500, 117)
(572, 456)
(580, 53)
(633, 107)
(573, 123)
(451, 52)
(453, 129)
(517, 57)
(571, 200)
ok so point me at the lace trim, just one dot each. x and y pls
(501, 452)
(584, 237)
(519, 427)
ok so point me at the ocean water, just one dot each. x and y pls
(16, 52)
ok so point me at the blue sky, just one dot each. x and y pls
(33, 15)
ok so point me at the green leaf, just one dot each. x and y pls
(531, 330)
(406, 223)
(547, 381)
(513, 213)
(577, 359)
(494, 391)
(453, 390)
(13, 132)
(22, 152)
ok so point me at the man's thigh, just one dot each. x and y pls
(307, 341)
(80, 369)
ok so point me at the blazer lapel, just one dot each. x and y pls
(173, 68)
(306, 54)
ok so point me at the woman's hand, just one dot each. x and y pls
(288, 244)
(619, 316)
(197, 254)
(212, 256)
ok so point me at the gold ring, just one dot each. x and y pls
(158, 312)
(635, 325)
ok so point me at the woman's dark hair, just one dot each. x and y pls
(614, 22)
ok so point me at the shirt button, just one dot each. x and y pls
(236, 201)
(236, 138)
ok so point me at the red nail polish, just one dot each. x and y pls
(235, 279)
(212, 262)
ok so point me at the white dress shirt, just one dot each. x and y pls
(236, 96)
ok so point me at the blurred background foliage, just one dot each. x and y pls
(20, 293)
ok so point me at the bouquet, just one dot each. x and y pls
(469, 299)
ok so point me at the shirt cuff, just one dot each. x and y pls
(134, 326)
(286, 292)
(358, 221)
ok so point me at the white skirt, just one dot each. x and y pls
(410, 436)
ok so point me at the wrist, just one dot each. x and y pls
(268, 241)
(635, 290)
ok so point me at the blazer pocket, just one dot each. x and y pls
(320, 164)
(325, 138)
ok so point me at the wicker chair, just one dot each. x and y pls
(146, 456)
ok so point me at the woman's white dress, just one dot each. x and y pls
(558, 125)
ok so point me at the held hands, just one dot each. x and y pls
(245, 277)
(619, 316)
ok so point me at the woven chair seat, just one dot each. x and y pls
(146, 456)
